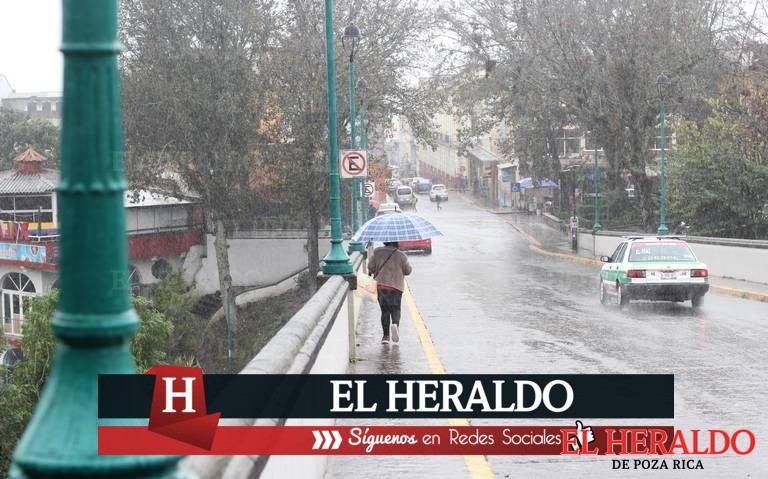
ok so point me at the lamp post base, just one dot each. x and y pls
(356, 246)
(663, 230)
(596, 227)
(337, 261)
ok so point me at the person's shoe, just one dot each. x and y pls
(395, 332)
(385, 339)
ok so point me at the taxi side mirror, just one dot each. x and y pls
(605, 259)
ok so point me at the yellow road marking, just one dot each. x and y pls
(478, 466)
(536, 246)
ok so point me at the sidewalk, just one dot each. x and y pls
(547, 240)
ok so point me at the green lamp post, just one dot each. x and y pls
(662, 82)
(228, 316)
(352, 39)
(336, 261)
(95, 320)
(596, 177)
(362, 86)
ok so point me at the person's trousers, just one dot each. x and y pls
(389, 302)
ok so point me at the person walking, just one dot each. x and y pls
(389, 266)
(437, 200)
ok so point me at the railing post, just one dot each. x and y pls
(95, 319)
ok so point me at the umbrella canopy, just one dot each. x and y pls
(396, 227)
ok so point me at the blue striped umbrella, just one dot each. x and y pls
(396, 227)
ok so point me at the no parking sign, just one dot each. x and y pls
(354, 164)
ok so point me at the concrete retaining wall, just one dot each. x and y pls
(275, 258)
(316, 340)
(737, 259)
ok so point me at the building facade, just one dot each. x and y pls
(161, 230)
(43, 105)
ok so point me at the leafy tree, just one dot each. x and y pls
(18, 132)
(175, 300)
(20, 393)
(718, 176)
(195, 95)
(594, 64)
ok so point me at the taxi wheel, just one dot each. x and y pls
(603, 294)
(697, 300)
(622, 299)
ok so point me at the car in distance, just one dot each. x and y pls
(438, 191)
(386, 208)
(660, 268)
(392, 185)
(423, 186)
(403, 194)
(424, 245)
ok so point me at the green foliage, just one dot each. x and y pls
(173, 298)
(718, 178)
(18, 132)
(25, 381)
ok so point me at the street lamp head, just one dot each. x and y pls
(662, 83)
(350, 39)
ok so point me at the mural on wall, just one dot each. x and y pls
(22, 252)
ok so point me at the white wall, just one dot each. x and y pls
(253, 262)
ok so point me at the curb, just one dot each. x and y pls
(535, 245)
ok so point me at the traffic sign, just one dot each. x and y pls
(370, 187)
(353, 164)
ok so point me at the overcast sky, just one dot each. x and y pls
(30, 37)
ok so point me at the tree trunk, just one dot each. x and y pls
(222, 261)
(313, 251)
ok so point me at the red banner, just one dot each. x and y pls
(384, 440)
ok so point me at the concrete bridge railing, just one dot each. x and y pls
(318, 339)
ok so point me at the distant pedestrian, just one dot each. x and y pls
(389, 266)
(437, 201)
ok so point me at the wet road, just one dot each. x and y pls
(494, 306)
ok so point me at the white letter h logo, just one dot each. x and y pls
(186, 394)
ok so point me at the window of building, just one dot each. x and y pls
(26, 208)
(46, 106)
(31, 106)
(39, 106)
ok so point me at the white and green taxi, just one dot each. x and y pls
(654, 268)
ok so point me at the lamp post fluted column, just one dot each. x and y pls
(662, 82)
(336, 261)
(95, 319)
(362, 86)
(596, 176)
(352, 35)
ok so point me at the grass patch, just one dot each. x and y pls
(257, 323)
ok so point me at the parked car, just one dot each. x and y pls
(438, 191)
(386, 208)
(654, 268)
(423, 186)
(424, 245)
